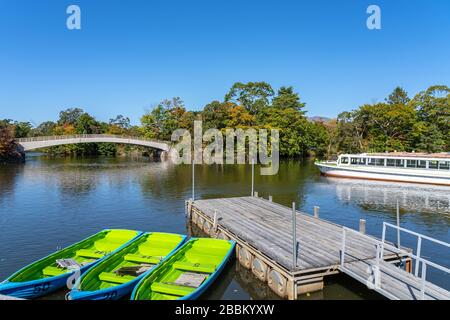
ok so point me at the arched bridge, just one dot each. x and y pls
(26, 144)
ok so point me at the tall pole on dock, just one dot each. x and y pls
(294, 237)
(253, 176)
(398, 225)
(193, 180)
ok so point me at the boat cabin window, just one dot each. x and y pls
(344, 160)
(371, 161)
(433, 164)
(444, 165)
(390, 162)
(358, 161)
(379, 162)
(421, 164)
(399, 162)
(411, 163)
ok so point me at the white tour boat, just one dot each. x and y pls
(397, 166)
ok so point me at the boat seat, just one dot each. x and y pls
(90, 253)
(147, 250)
(142, 259)
(53, 271)
(171, 289)
(114, 278)
(195, 267)
(107, 245)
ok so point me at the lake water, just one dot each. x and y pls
(51, 203)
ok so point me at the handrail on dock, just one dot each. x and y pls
(381, 245)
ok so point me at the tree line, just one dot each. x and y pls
(399, 123)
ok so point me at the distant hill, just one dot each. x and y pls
(318, 119)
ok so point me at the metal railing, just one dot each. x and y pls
(375, 282)
(85, 136)
(420, 263)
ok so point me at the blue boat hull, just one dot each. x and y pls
(113, 293)
(38, 288)
(41, 287)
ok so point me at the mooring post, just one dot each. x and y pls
(398, 224)
(316, 211)
(253, 176)
(362, 226)
(294, 237)
(256, 194)
(270, 198)
(189, 209)
(193, 180)
(215, 220)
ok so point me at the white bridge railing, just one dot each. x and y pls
(374, 282)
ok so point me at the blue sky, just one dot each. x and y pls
(131, 54)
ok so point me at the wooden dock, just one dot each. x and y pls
(264, 232)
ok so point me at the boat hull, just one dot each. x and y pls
(114, 293)
(357, 173)
(40, 287)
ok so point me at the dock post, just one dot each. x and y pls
(294, 237)
(256, 194)
(215, 220)
(316, 211)
(189, 209)
(270, 198)
(362, 226)
(398, 225)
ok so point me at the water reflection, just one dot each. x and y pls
(56, 202)
(374, 195)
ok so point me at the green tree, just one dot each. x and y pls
(22, 129)
(86, 124)
(44, 129)
(166, 117)
(433, 113)
(70, 116)
(254, 96)
(216, 115)
(293, 128)
(286, 98)
(121, 122)
(398, 97)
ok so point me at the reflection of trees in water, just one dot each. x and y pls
(8, 175)
(78, 176)
(212, 181)
(432, 202)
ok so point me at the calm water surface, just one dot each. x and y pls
(51, 203)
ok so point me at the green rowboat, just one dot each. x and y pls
(117, 275)
(52, 272)
(187, 273)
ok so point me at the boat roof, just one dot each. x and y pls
(441, 155)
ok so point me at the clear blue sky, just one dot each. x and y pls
(131, 54)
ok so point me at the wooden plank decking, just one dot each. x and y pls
(267, 226)
(265, 229)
